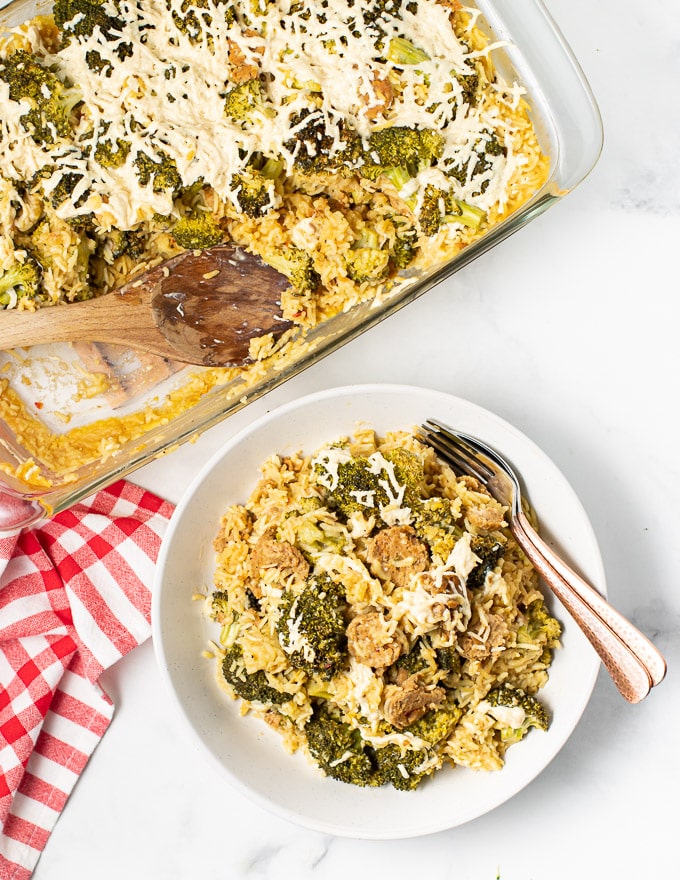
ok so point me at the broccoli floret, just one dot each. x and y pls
(297, 266)
(362, 487)
(198, 230)
(367, 265)
(433, 205)
(65, 188)
(315, 149)
(253, 193)
(469, 83)
(162, 173)
(254, 686)
(485, 149)
(489, 550)
(376, 9)
(404, 249)
(413, 661)
(530, 712)
(112, 155)
(438, 206)
(193, 18)
(119, 243)
(219, 606)
(242, 100)
(51, 101)
(339, 750)
(434, 521)
(409, 150)
(408, 468)
(22, 280)
(436, 725)
(539, 626)
(448, 659)
(79, 18)
(40, 242)
(357, 489)
(312, 627)
(401, 768)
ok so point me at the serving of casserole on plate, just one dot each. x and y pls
(364, 150)
(389, 678)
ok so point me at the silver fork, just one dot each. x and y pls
(632, 661)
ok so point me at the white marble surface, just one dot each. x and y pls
(569, 330)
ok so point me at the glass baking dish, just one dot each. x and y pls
(533, 52)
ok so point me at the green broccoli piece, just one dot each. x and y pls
(51, 101)
(297, 266)
(539, 626)
(436, 725)
(485, 149)
(312, 627)
(242, 100)
(253, 687)
(21, 280)
(361, 487)
(433, 206)
(219, 606)
(469, 83)
(489, 550)
(531, 712)
(40, 242)
(408, 468)
(357, 489)
(366, 264)
(401, 768)
(413, 661)
(112, 155)
(374, 10)
(434, 522)
(194, 17)
(339, 750)
(162, 173)
(448, 659)
(198, 230)
(79, 18)
(438, 206)
(253, 193)
(400, 152)
(404, 249)
(65, 188)
(315, 149)
(120, 243)
(403, 52)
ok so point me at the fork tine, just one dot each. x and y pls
(457, 450)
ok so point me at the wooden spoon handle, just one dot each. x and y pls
(121, 317)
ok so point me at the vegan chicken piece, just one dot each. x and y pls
(406, 703)
(397, 554)
(372, 640)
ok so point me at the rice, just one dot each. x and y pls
(434, 638)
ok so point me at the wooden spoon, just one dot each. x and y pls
(198, 308)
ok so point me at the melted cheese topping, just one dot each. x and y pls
(162, 90)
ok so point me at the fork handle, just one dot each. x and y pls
(617, 623)
(628, 671)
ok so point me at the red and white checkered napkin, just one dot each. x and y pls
(75, 596)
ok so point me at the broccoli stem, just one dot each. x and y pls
(469, 215)
(398, 176)
(402, 51)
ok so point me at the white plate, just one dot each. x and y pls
(248, 754)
